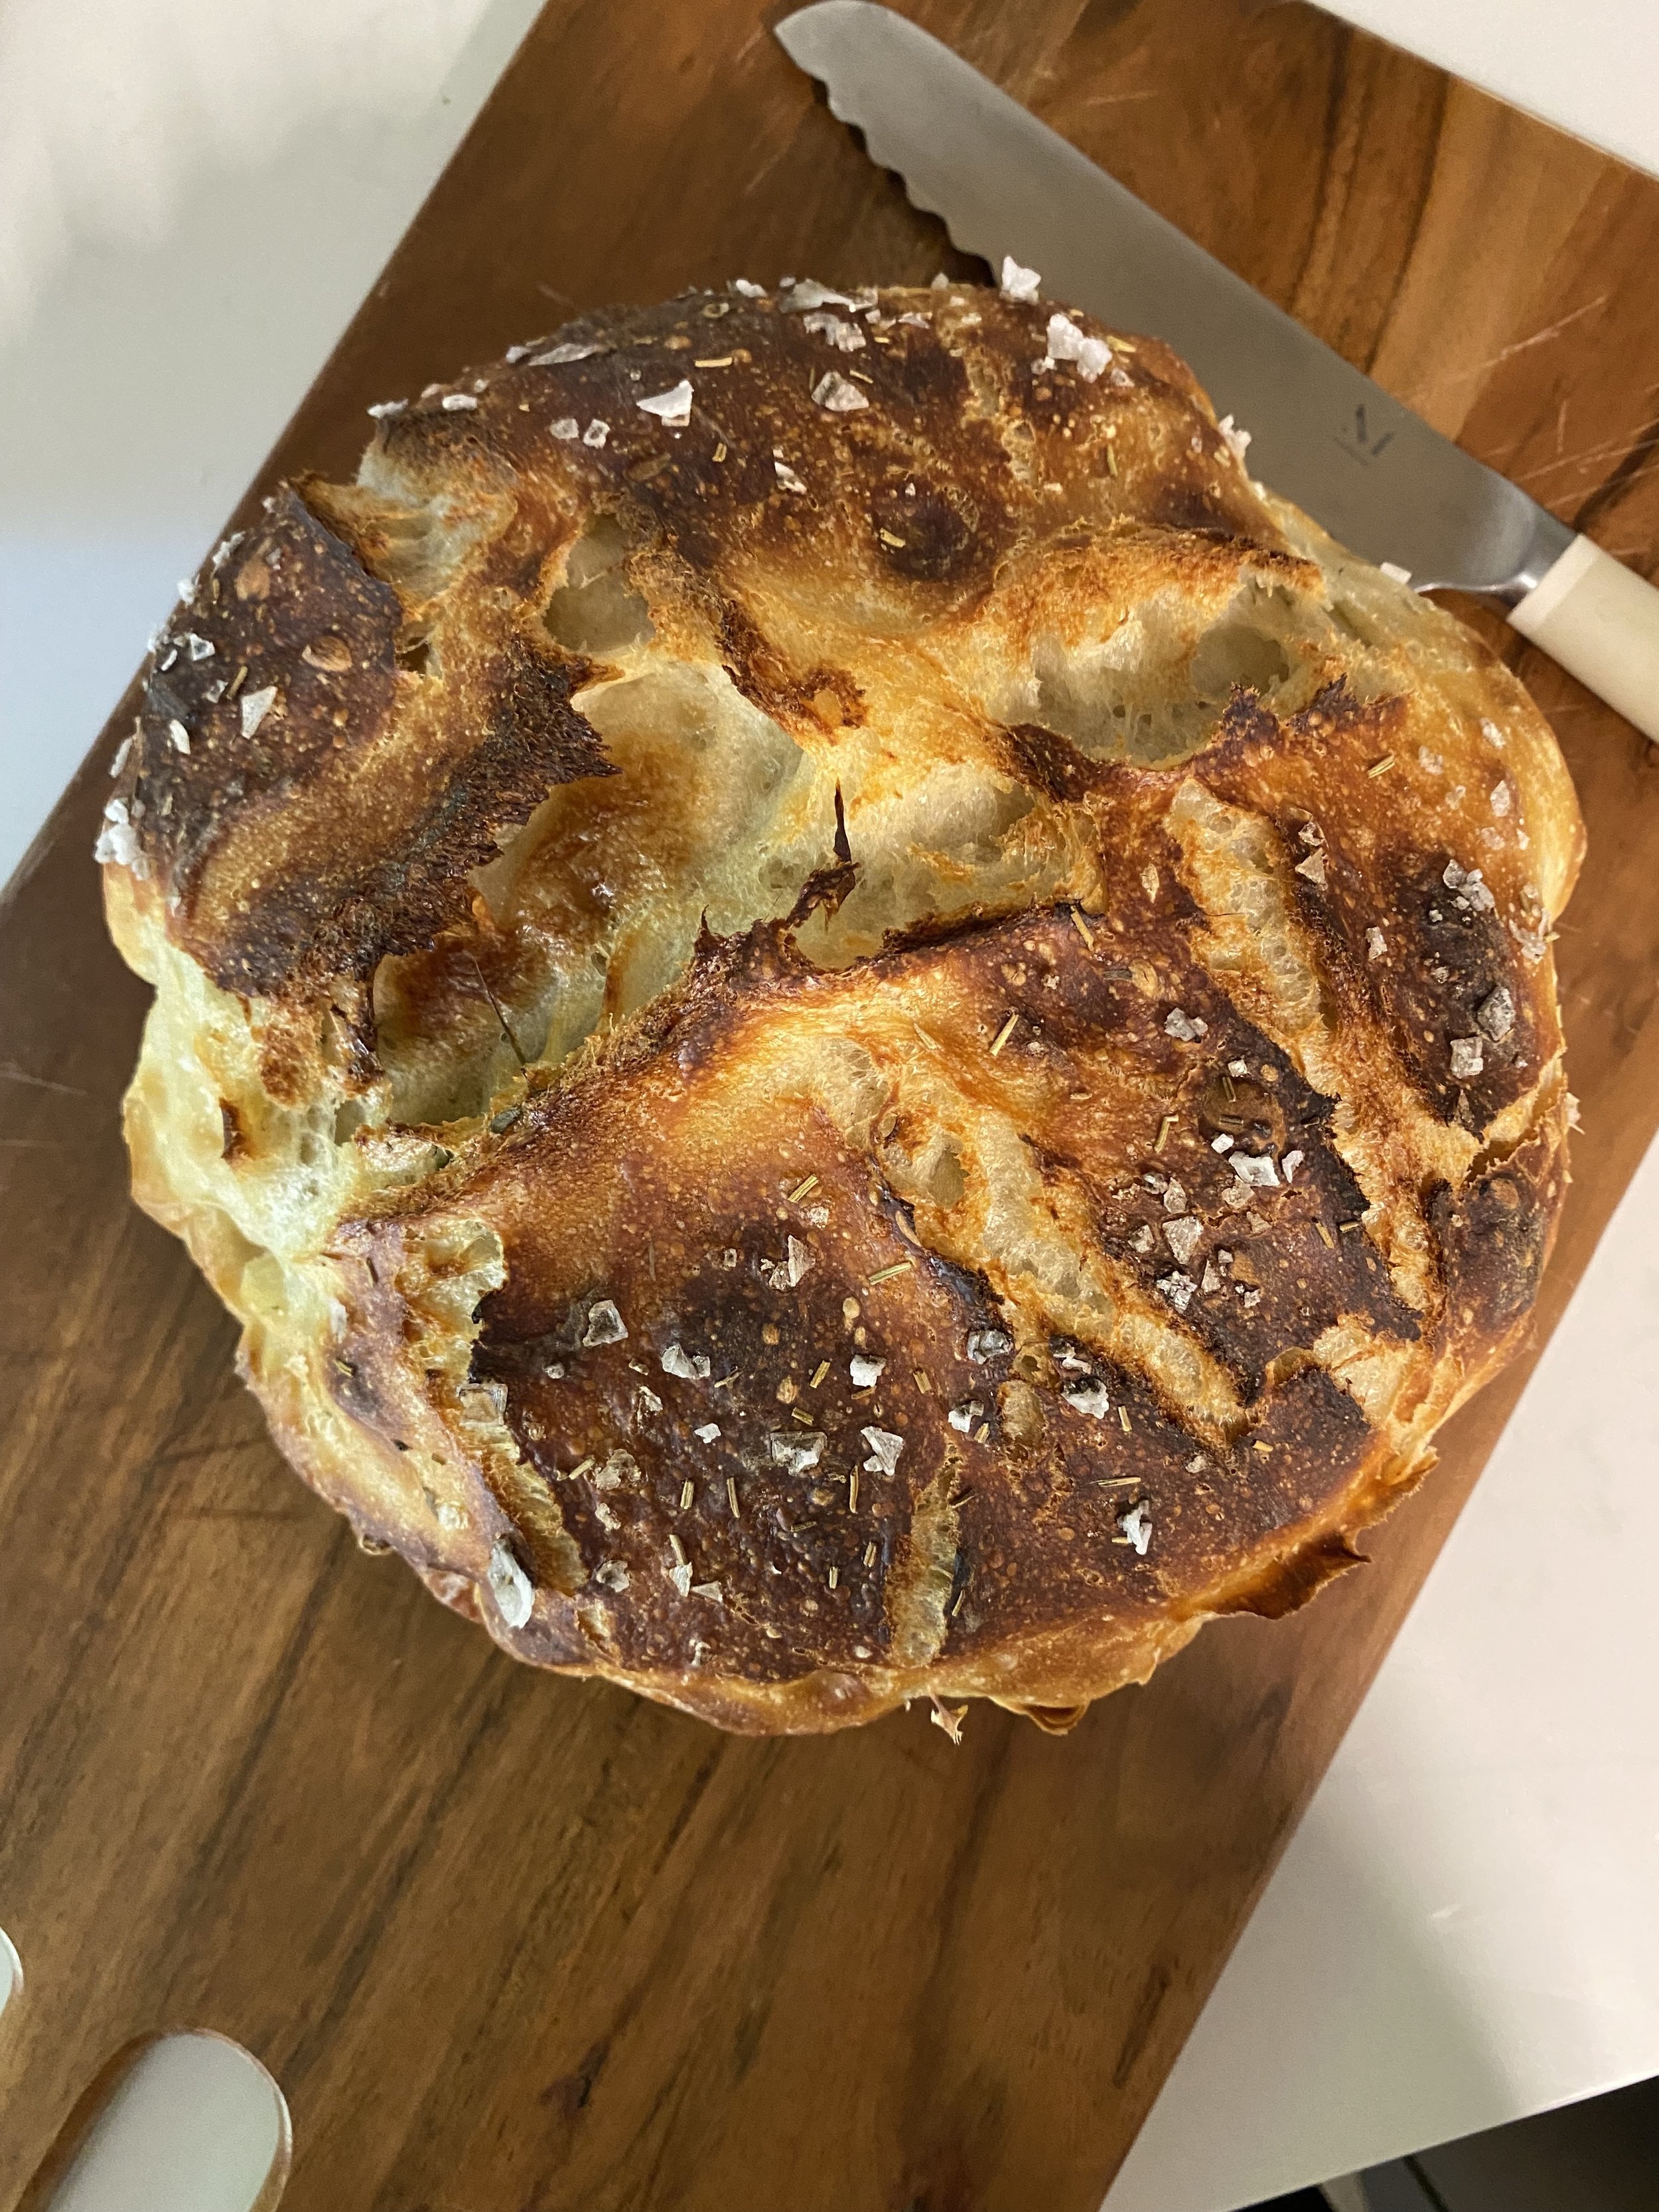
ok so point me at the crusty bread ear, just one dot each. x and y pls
(847, 1022)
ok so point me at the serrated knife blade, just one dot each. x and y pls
(1324, 434)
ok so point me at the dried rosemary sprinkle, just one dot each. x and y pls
(920, 1376)
(581, 1467)
(886, 1274)
(1123, 1419)
(679, 1548)
(1381, 767)
(1004, 1034)
(1263, 1449)
(799, 1413)
(1325, 1237)
(1083, 928)
(719, 451)
(732, 1494)
(687, 1491)
(981, 1434)
(818, 1374)
(809, 1182)
(834, 1577)
(852, 1491)
(721, 361)
(869, 1555)
(1163, 1129)
(1346, 1228)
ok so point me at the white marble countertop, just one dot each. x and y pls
(1465, 1928)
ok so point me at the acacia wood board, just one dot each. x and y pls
(514, 1944)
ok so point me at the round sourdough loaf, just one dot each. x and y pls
(847, 1022)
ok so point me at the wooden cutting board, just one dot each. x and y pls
(512, 1944)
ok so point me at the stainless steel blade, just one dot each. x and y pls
(1326, 436)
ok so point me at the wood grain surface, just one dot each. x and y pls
(516, 1945)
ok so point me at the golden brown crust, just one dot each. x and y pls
(872, 1046)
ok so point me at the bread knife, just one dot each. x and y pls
(1323, 434)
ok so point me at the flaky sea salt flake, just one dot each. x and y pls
(798, 1262)
(117, 840)
(1468, 883)
(510, 1585)
(836, 395)
(691, 1367)
(845, 337)
(1065, 341)
(1137, 1526)
(1088, 1397)
(255, 705)
(671, 408)
(605, 1325)
(1496, 1014)
(985, 1344)
(1183, 1237)
(884, 1450)
(795, 1450)
(1237, 441)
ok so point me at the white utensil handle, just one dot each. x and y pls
(1600, 620)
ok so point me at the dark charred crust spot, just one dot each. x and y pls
(1050, 762)
(286, 586)
(1495, 1236)
(304, 660)
(930, 533)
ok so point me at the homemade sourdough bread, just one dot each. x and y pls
(847, 1022)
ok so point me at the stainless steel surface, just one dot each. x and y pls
(1373, 473)
(1550, 540)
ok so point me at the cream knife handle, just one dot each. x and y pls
(1600, 620)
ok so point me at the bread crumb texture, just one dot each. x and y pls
(848, 1024)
